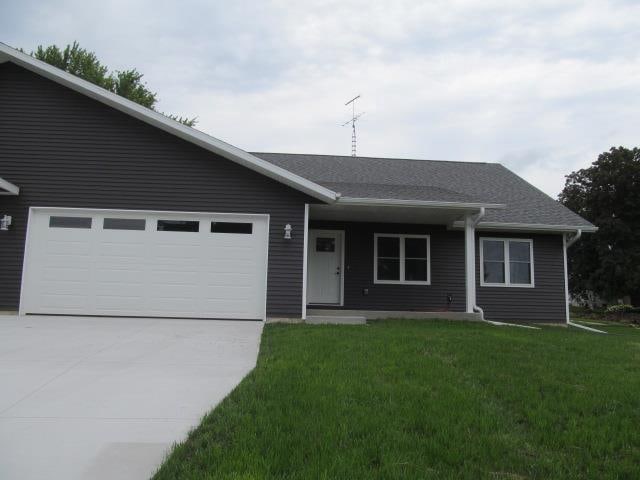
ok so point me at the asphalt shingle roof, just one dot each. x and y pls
(431, 180)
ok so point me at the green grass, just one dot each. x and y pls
(426, 399)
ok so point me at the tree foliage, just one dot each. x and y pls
(84, 64)
(607, 194)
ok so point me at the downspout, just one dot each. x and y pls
(474, 222)
(568, 241)
(470, 223)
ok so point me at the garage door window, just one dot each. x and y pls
(231, 227)
(124, 224)
(69, 222)
(178, 226)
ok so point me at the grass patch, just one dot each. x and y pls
(426, 399)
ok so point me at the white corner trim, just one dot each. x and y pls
(305, 254)
(266, 270)
(566, 277)
(25, 257)
(401, 259)
(8, 187)
(507, 281)
(165, 123)
(391, 202)
(566, 243)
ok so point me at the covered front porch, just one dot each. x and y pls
(398, 260)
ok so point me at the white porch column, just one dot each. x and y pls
(470, 222)
(470, 260)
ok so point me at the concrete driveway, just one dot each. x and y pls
(105, 398)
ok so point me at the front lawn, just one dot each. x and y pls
(426, 399)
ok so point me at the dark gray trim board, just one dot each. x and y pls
(66, 150)
(543, 303)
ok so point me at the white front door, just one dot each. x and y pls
(324, 283)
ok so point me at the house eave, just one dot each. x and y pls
(165, 123)
(390, 202)
(527, 227)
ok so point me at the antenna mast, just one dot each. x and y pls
(353, 120)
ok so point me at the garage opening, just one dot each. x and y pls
(139, 263)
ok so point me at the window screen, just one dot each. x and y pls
(519, 262)
(493, 257)
(388, 258)
(415, 259)
(402, 258)
(507, 262)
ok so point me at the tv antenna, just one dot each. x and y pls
(353, 120)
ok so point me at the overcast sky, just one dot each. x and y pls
(541, 87)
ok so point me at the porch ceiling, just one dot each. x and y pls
(389, 214)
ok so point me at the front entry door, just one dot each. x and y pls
(324, 280)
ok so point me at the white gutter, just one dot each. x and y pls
(528, 227)
(567, 242)
(392, 202)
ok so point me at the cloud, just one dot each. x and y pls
(542, 87)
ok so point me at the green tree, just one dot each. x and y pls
(84, 64)
(608, 195)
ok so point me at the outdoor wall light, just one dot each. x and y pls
(5, 222)
(287, 231)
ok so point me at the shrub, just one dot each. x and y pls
(621, 308)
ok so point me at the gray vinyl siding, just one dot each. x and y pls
(66, 150)
(447, 269)
(545, 302)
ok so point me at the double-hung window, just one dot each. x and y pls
(401, 259)
(506, 262)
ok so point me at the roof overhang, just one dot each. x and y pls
(394, 211)
(527, 227)
(389, 202)
(165, 123)
(8, 188)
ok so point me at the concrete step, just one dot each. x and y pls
(336, 320)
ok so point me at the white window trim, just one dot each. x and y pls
(402, 260)
(507, 273)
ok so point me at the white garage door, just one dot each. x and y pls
(99, 262)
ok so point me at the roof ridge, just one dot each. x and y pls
(374, 158)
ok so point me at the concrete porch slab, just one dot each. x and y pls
(380, 314)
(336, 319)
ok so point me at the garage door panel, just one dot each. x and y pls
(123, 305)
(115, 271)
(69, 302)
(62, 248)
(121, 249)
(173, 276)
(61, 273)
